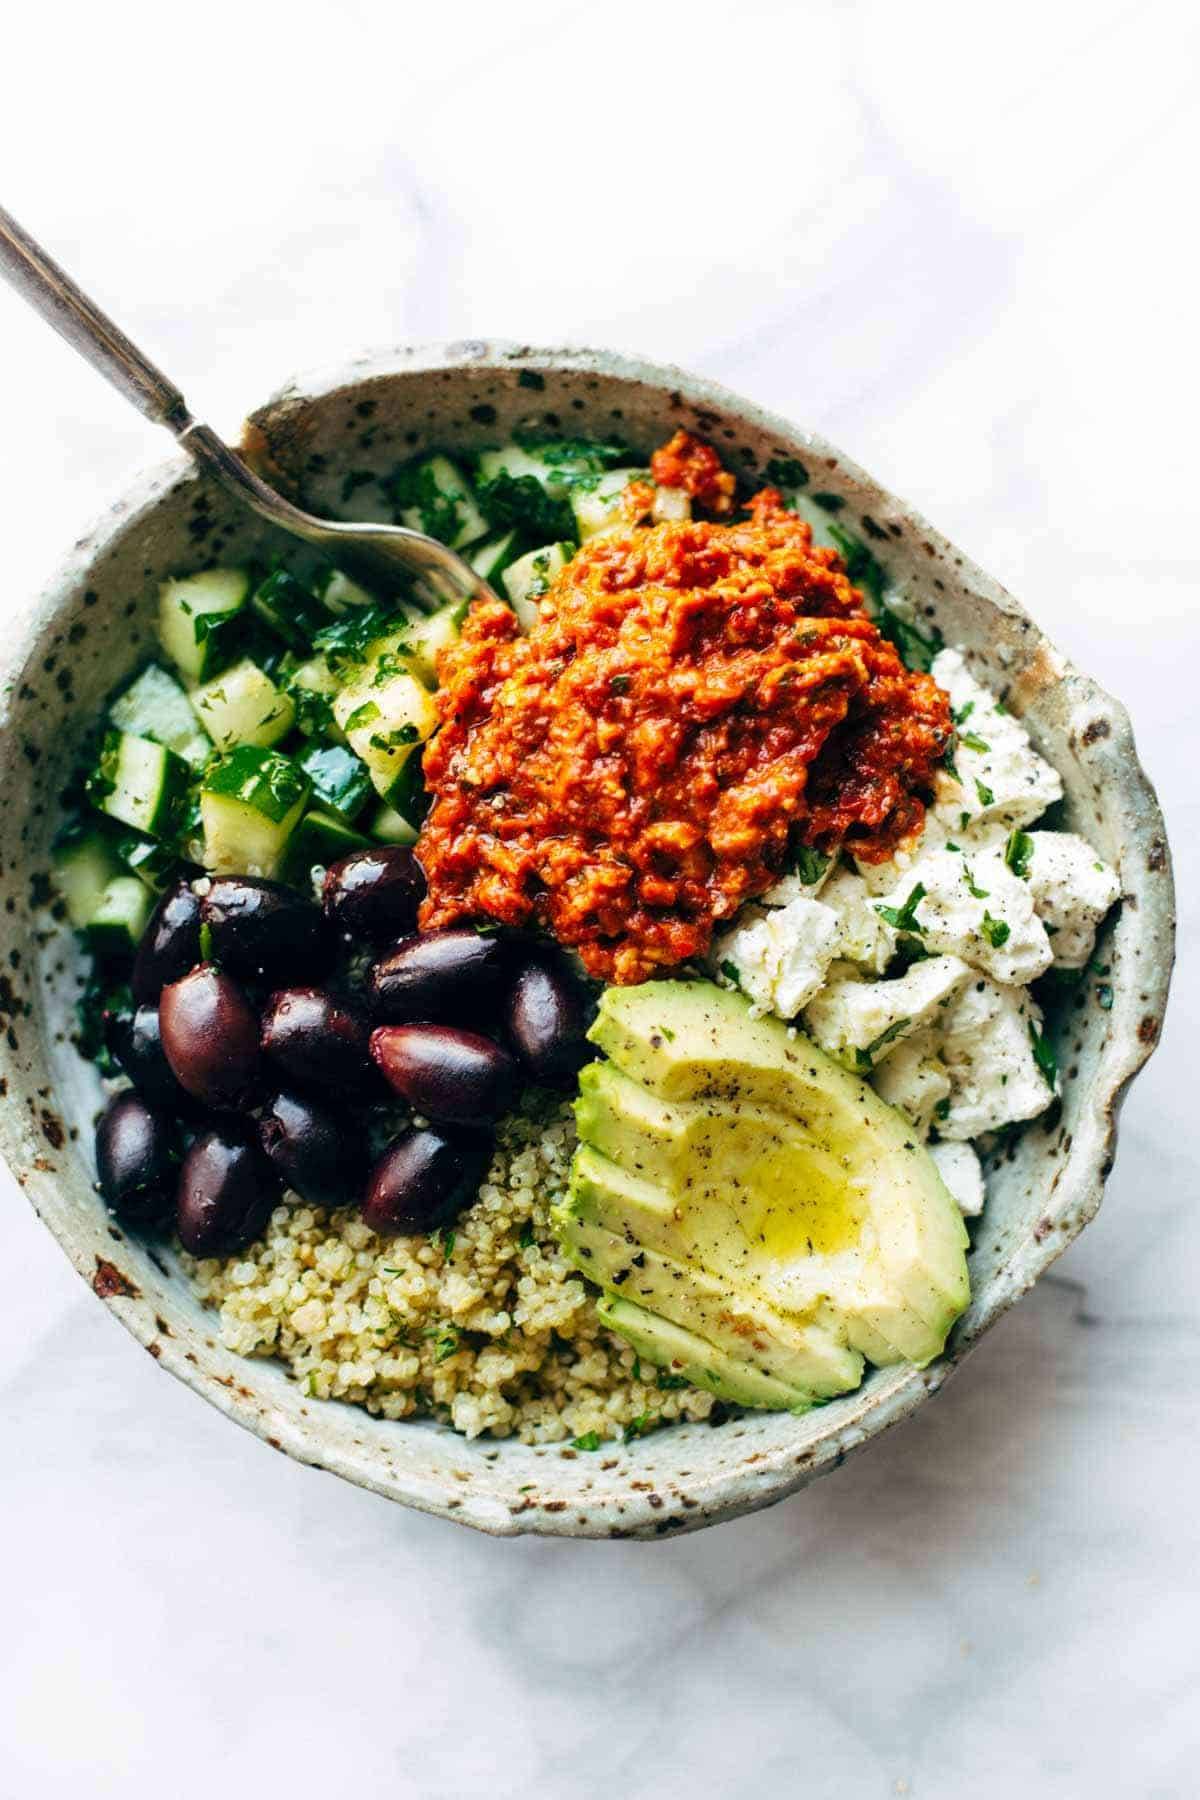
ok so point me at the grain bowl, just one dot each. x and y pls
(323, 439)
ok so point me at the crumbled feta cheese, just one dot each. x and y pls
(863, 937)
(779, 957)
(860, 1022)
(973, 907)
(1001, 776)
(1072, 889)
(914, 1080)
(960, 1169)
(986, 1040)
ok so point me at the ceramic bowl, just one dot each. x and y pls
(96, 621)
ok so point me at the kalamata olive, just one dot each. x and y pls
(226, 1191)
(170, 944)
(210, 1036)
(134, 1162)
(424, 1180)
(320, 1041)
(447, 1074)
(547, 1020)
(311, 1150)
(438, 974)
(135, 1039)
(374, 894)
(263, 929)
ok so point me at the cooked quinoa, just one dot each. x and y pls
(485, 1326)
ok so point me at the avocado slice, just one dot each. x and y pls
(735, 1182)
(694, 1359)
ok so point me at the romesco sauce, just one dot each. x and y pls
(693, 699)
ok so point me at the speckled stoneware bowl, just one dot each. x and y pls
(96, 621)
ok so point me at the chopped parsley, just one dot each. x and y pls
(972, 741)
(668, 1382)
(808, 864)
(790, 472)
(729, 971)
(1018, 851)
(206, 941)
(996, 931)
(366, 714)
(865, 1059)
(976, 893)
(904, 918)
(963, 713)
(986, 796)
(619, 684)
(445, 1242)
(591, 1440)
(1043, 1055)
(638, 1427)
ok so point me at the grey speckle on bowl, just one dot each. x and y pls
(326, 438)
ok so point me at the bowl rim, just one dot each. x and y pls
(733, 1490)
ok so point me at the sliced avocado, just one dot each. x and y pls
(694, 1359)
(742, 1161)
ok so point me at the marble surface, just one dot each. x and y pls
(959, 242)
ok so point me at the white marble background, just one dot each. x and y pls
(961, 241)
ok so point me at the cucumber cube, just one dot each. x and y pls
(341, 781)
(200, 620)
(493, 556)
(141, 783)
(243, 706)
(151, 861)
(598, 508)
(387, 826)
(120, 918)
(84, 864)
(526, 580)
(318, 840)
(155, 706)
(250, 803)
(386, 715)
(339, 594)
(428, 637)
(287, 606)
(433, 496)
(313, 687)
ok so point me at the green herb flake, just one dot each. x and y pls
(1018, 852)
(996, 931)
(366, 714)
(865, 1059)
(986, 796)
(638, 1427)
(786, 472)
(808, 864)
(591, 1440)
(206, 942)
(971, 741)
(904, 918)
(1043, 1055)
(963, 713)
(729, 971)
(976, 893)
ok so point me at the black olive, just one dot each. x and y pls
(320, 1041)
(424, 1180)
(548, 1020)
(170, 944)
(135, 1040)
(311, 1150)
(374, 894)
(436, 974)
(226, 1191)
(210, 1036)
(134, 1161)
(444, 1073)
(265, 930)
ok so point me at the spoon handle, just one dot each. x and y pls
(51, 292)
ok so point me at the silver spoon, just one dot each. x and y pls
(381, 557)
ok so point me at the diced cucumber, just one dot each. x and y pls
(386, 714)
(318, 840)
(121, 916)
(152, 861)
(494, 555)
(313, 686)
(428, 637)
(599, 508)
(387, 826)
(341, 781)
(141, 783)
(250, 803)
(526, 580)
(155, 706)
(84, 864)
(289, 609)
(243, 706)
(200, 620)
(559, 466)
(433, 496)
(338, 594)
(516, 463)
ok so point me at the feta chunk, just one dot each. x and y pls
(986, 1040)
(914, 1080)
(1072, 889)
(779, 957)
(960, 1169)
(863, 937)
(860, 1022)
(1002, 779)
(795, 886)
(976, 908)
